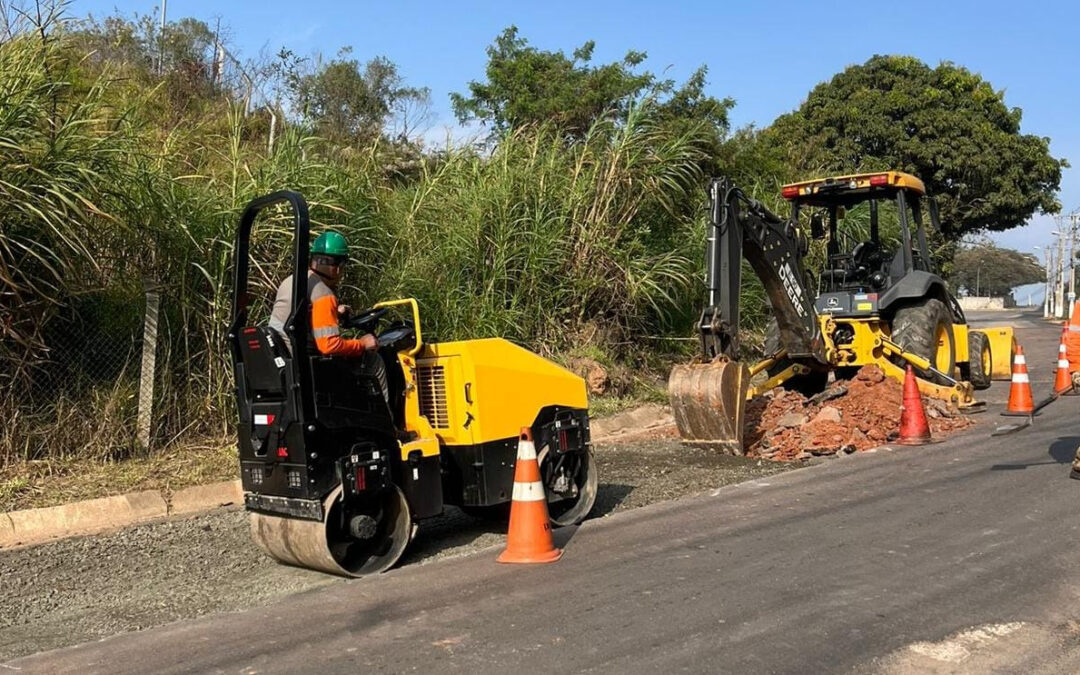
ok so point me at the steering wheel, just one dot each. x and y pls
(864, 255)
(365, 320)
(400, 335)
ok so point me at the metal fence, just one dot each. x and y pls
(95, 387)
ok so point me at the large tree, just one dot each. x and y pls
(985, 269)
(947, 125)
(525, 85)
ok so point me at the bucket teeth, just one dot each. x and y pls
(708, 402)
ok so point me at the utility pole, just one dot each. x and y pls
(1059, 281)
(1073, 218)
(1048, 294)
(161, 41)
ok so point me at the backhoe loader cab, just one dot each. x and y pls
(866, 273)
(336, 472)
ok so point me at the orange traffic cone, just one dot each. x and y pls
(1072, 339)
(1063, 381)
(914, 429)
(529, 539)
(1021, 402)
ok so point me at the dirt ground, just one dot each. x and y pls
(87, 588)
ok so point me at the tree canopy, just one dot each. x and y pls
(351, 104)
(526, 85)
(988, 270)
(946, 125)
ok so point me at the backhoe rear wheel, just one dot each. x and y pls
(980, 360)
(925, 329)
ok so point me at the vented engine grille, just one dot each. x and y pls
(431, 381)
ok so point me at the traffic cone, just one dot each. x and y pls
(1072, 339)
(914, 429)
(1020, 399)
(529, 539)
(1063, 380)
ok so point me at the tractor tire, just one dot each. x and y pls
(809, 384)
(980, 360)
(925, 329)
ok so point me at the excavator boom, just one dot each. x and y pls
(708, 399)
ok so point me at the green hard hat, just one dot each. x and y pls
(330, 243)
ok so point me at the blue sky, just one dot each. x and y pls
(766, 56)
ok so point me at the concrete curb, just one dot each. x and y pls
(205, 497)
(37, 526)
(644, 418)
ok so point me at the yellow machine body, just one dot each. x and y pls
(478, 391)
(1002, 348)
(470, 392)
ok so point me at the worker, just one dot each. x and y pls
(329, 255)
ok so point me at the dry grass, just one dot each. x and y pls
(48, 482)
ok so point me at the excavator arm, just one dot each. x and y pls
(741, 226)
(708, 399)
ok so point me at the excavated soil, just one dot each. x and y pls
(850, 416)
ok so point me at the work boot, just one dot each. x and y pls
(1075, 473)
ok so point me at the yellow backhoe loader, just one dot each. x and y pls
(871, 305)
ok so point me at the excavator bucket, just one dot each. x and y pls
(708, 401)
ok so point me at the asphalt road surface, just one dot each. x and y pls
(962, 556)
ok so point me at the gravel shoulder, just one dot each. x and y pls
(82, 589)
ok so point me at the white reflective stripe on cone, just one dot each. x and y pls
(1019, 358)
(529, 492)
(526, 450)
(1020, 377)
(1063, 364)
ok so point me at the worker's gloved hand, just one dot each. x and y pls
(344, 311)
(369, 342)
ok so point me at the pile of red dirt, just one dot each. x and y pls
(849, 416)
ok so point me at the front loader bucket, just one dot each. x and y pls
(708, 401)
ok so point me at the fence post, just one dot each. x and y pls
(149, 356)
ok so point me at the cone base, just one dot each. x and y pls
(1018, 413)
(527, 559)
(915, 441)
(1074, 474)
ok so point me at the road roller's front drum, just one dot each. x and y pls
(328, 545)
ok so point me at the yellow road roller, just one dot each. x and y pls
(338, 465)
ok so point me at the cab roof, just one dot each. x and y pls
(825, 191)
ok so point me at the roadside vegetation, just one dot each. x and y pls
(573, 224)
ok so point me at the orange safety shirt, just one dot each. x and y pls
(324, 317)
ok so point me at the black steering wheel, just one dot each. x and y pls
(366, 320)
(866, 256)
(398, 336)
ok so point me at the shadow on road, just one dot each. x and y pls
(1061, 451)
(608, 498)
